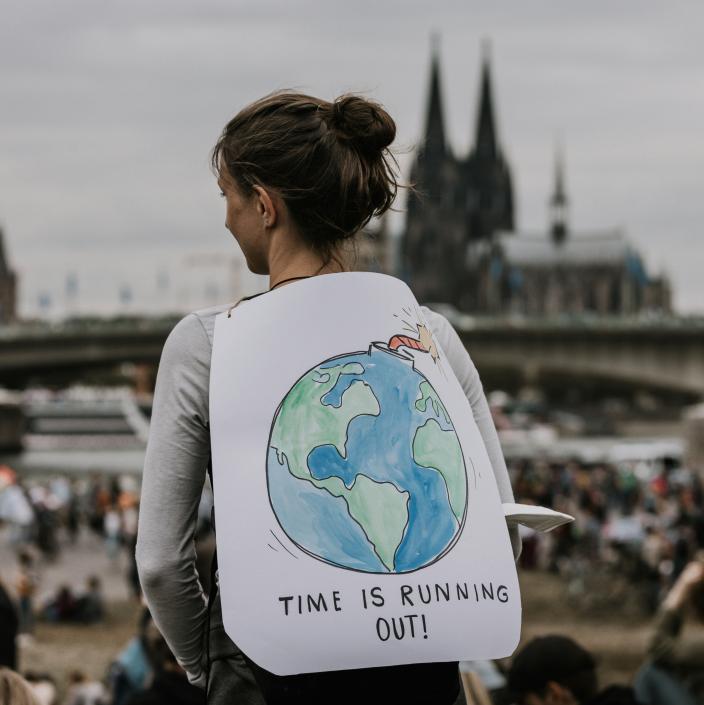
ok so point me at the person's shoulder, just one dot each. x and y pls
(207, 315)
(195, 329)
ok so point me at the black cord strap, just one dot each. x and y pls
(261, 293)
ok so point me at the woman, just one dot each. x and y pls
(300, 177)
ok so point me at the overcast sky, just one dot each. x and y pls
(108, 112)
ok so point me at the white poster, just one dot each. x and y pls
(358, 520)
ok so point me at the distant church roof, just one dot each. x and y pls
(599, 248)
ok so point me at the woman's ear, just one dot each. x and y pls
(266, 206)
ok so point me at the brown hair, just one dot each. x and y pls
(329, 161)
(14, 690)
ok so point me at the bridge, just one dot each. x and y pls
(664, 354)
(67, 351)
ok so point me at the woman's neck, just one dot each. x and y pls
(301, 263)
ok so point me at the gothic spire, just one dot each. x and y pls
(4, 265)
(434, 142)
(486, 142)
(559, 196)
(558, 201)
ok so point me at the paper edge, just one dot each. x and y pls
(542, 519)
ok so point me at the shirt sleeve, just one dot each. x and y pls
(174, 473)
(468, 377)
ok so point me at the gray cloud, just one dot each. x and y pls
(109, 111)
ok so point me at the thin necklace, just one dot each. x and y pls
(290, 279)
(271, 288)
(261, 293)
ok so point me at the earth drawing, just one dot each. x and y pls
(364, 467)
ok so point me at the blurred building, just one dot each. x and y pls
(562, 272)
(8, 286)
(461, 246)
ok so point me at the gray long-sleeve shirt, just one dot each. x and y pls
(176, 464)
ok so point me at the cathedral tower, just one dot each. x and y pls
(457, 203)
(489, 188)
(8, 286)
(427, 248)
(558, 203)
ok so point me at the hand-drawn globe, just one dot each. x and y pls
(364, 467)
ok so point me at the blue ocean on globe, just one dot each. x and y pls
(364, 467)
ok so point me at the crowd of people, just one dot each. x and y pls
(556, 670)
(42, 519)
(548, 670)
(38, 511)
(651, 530)
(630, 529)
(144, 672)
(41, 516)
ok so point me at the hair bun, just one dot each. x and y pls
(363, 123)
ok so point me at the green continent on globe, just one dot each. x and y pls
(428, 394)
(324, 424)
(381, 509)
(440, 450)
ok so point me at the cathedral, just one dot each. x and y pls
(461, 245)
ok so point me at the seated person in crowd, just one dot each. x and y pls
(82, 691)
(674, 674)
(552, 670)
(61, 607)
(132, 670)
(90, 606)
(170, 685)
(555, 670)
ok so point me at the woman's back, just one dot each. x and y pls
(301, 176)
(175, 468)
